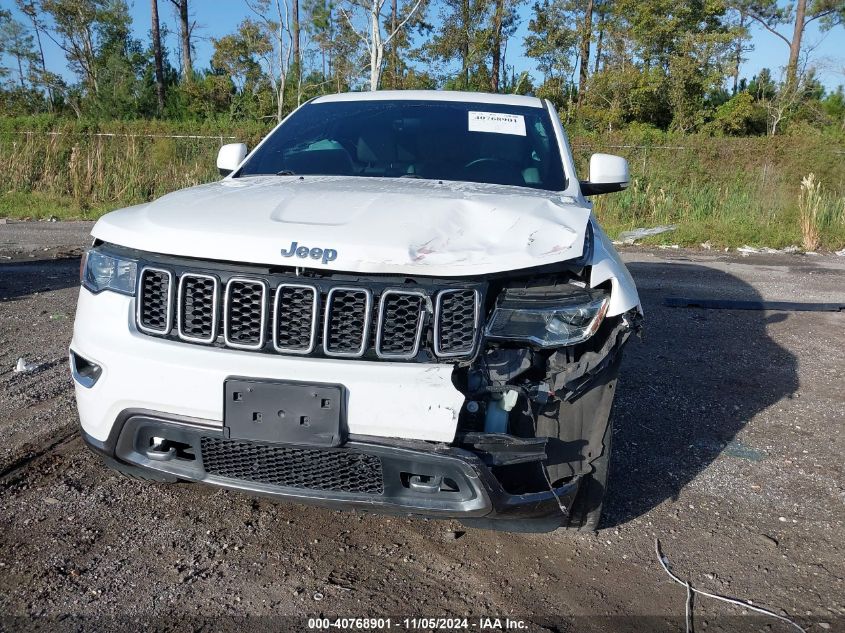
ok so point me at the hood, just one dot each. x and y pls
(366, 225)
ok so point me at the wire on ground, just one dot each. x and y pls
(664, 563)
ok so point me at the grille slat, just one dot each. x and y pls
(347, 321)
(456, 322)
(295, 318)
(401, 319)
(245, 313)
(336, 321)
(197, 314)
(310, 469)
(155, 302)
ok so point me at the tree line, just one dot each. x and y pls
(605, 64)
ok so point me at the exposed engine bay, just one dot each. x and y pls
(539, 414)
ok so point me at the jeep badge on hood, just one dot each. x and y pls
(325, 254)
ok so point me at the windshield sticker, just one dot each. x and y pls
(497, 123)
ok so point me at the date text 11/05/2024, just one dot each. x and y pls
(423, 623)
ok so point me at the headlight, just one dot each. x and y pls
(548, 316)
(108, 272)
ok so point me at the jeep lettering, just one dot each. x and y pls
(325, 254)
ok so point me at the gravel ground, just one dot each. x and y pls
(728, 445)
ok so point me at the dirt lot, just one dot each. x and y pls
(728, 440)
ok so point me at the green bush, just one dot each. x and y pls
(739, 116)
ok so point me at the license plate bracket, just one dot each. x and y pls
(284, 412)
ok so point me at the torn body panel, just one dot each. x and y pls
(562, 396)
(559, 422)
(606, 267)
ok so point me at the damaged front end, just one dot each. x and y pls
(540, 391)
(484, 398)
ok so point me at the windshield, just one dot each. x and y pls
(441, 140)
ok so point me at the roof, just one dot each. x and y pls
(433, 95)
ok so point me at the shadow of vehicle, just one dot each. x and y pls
(690, 386)
(24, 278)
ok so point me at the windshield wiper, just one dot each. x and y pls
(285, 172)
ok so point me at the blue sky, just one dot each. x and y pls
(216, 18)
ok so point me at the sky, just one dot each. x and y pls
(216, 18)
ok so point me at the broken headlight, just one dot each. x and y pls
(108, 272)
(548, 316)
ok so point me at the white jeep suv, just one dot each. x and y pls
(398, 301)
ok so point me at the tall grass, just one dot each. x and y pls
(725, 191)
(71, 170)
(809, 203)
(728, 192)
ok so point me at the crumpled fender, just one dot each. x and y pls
(607, 266)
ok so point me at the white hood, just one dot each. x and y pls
(375, 225)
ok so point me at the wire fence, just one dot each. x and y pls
(120, 135)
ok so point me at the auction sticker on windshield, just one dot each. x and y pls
(497, 123)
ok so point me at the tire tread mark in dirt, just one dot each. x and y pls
(7, 474)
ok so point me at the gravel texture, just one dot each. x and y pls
(728, 446)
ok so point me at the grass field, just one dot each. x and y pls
(725, 191)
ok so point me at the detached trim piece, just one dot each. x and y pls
(734, 304)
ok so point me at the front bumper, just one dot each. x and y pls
(385, 399)
(469, 490)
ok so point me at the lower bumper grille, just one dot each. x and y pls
(310, 469)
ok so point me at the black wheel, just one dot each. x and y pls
(586, 511)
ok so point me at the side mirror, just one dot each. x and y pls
(608, 173)
(229, 157)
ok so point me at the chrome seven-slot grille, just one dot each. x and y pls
(304, 318)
